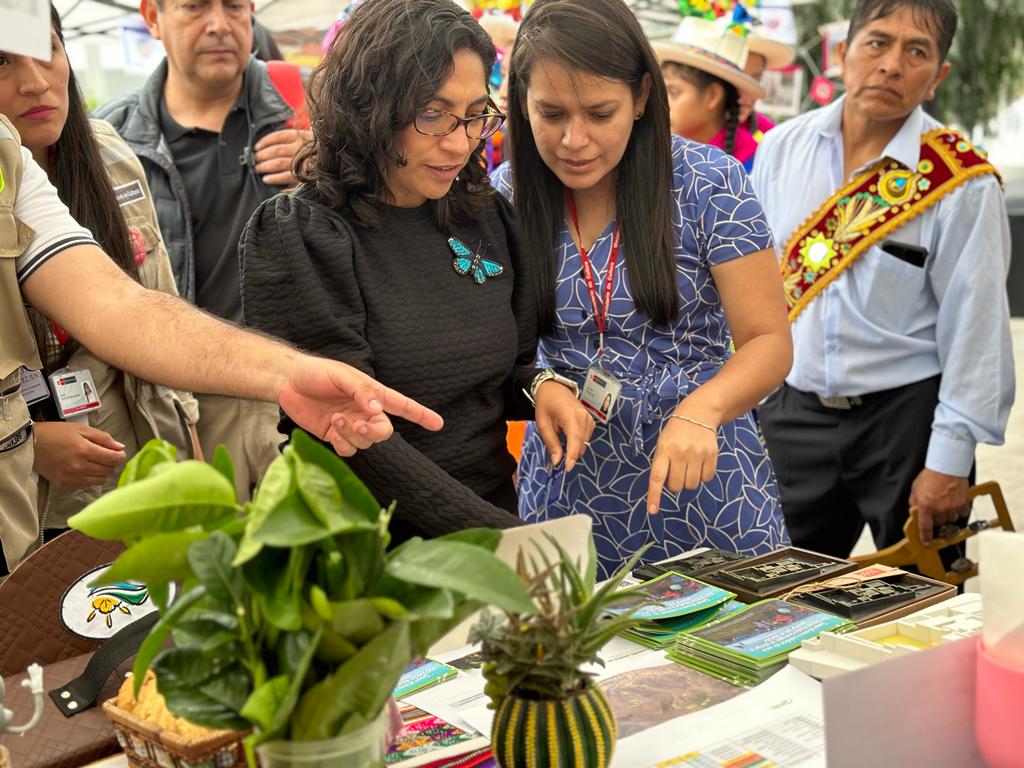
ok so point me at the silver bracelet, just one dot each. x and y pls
(694, 421)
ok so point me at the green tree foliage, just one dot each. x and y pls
(987, 56)
(988, 61)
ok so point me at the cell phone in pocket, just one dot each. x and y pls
(914, 255)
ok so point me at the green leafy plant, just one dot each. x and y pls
(542, 654)
(292, 616)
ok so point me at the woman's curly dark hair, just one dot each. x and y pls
(389, 59)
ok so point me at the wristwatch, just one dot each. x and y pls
(549, 375)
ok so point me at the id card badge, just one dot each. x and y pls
(600, 393)
(33, 386)
(74, 393)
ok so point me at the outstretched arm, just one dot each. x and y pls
(161, 338)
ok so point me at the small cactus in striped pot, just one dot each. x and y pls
(549, 712)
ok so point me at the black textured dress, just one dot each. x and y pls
(389, 302)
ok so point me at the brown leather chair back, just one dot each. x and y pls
(31, 628)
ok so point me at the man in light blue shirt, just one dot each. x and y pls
(903, 363)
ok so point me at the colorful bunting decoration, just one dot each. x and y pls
(706, 9)
(513, 8)
(716, 9)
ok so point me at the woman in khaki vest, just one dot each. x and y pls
(102, 183)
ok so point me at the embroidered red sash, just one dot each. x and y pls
(864, 211)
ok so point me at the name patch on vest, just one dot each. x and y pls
(16, 440)
(129, 193)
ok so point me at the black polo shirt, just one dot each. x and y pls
(222, 194)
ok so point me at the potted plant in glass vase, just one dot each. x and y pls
(549, 711)
(292, 617)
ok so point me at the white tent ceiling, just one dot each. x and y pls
(83, 17)
(106, 16)
(93, 16)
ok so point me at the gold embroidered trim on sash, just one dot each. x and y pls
(868, 208)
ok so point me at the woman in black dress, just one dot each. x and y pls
(396, 256)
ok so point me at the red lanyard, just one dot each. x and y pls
(601, 309)
(63, 337)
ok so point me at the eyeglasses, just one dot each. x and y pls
(436, 122)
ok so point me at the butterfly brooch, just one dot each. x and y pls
(466, 262)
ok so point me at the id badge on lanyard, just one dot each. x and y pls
(600, 389)
(74, 392)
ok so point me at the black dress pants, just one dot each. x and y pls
(838, 469)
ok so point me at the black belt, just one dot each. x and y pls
(841, 403)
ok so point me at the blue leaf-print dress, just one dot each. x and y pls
(717, 218)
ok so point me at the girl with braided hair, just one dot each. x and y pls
(704, 77)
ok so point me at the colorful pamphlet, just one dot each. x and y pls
(478, 758)
(753, 643)
(426, 739)
(662, 634)
(421, 674)
(671, 603)
(672, 595)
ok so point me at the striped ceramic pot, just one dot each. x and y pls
(578, 732)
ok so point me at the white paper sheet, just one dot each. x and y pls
(779, 721)
(916, 710)
(449, 700)
(26, 28)
(1001, 556)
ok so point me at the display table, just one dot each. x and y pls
(915, 709)
(117, 761)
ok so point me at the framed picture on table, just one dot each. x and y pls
(783, 91)
(831, 35)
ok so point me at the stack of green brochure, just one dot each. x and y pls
(672, 603)
(421, 674)
(754, 643)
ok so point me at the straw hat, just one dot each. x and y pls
(776, 54)
(712, 48)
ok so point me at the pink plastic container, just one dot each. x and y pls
(999, 711)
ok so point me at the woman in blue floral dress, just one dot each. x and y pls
(600, 182)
